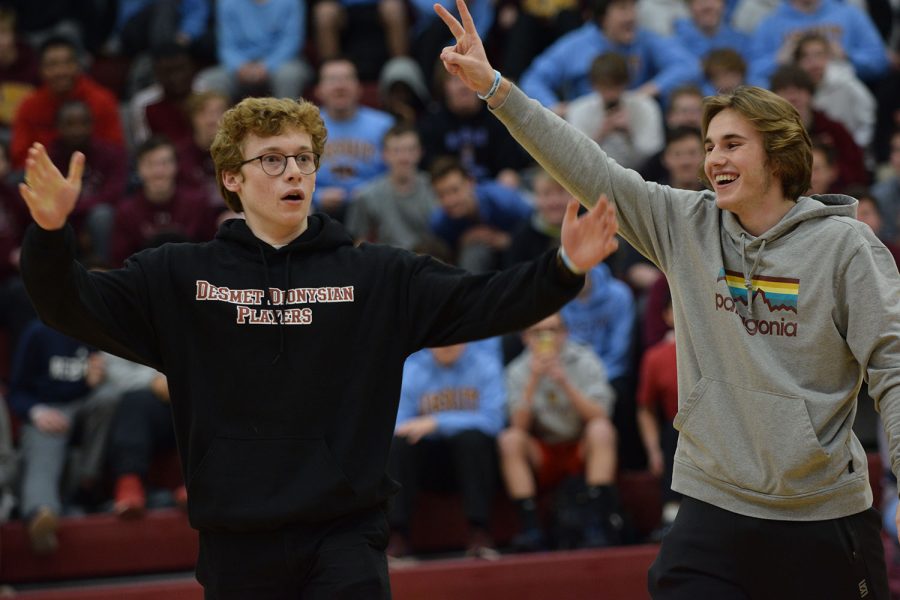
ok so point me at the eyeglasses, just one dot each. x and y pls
(275, 163)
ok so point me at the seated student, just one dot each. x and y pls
(839, 93)
(724, 69)
(105, 175)
(161, 205)
(475, 219)
(824, 171)
(18, 70)
(794, 85)
(628, 125)
(52, 377)
(352, 155)
(559, 405)
(657, 402)
(141, 429)
(451, 410)
(195, 164)
(395, 208)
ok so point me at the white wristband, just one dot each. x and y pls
(568, 262)
(494, 87)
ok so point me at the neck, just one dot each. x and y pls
(276, 236)
(763, 218)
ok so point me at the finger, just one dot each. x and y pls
(76, 168)
(466, 16)
(452, 24)
(571, 212)
(27, 194)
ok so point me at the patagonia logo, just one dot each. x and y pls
(777, 294)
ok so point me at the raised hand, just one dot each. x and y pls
(50, 196)
(466, 59)
(590, 238)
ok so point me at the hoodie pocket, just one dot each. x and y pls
(755, 440)
(244, 484)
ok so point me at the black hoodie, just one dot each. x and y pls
(284, 403)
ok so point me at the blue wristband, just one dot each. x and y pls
(568, 262)
(494, 87)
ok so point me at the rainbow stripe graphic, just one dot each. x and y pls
(778, 293)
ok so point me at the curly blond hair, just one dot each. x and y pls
(263, 117)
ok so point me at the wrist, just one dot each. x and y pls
(568, 264)
(492, 90)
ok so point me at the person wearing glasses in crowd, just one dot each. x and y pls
(283, 345)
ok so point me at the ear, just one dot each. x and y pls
(232, 181)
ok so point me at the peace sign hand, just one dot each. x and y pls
(50, 196)
(466, 59)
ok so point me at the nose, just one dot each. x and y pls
(292, 168)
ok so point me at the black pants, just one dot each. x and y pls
(465, 462)
(715, 553)
(340, 560)
(141, 428)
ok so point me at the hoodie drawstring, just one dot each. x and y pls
(277, 315)
(748, 275)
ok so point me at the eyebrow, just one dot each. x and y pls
(726, 137)
(280, 149)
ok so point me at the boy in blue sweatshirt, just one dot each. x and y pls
(52, 377)
(452, 406)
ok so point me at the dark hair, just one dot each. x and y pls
(676, 134)
(726, 59)
(609, 68)
(598, 8)
(57, 41)
(445, 165)
(791, 76)
(807, 37)
(398, 130)
(152, 143)
(826, 149)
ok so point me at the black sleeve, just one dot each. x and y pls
(448, 305)
(107, 309)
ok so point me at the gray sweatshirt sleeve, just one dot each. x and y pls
(871, 296)
(648, 213)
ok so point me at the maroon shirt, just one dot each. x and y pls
(849, 158)
(138, 221)
(169, 118)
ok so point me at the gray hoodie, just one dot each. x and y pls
(767, 390)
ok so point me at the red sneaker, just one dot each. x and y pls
(180, 495)
(130, 498)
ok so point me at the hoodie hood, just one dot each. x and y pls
(322, 233)
(806, 208)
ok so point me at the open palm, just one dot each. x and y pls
(50, 196)
(591, 237)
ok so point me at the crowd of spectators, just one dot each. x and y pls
(413, 159)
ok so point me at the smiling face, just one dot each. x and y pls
(276, 207)
(456, 195)
(707, 14)
(738, 168)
